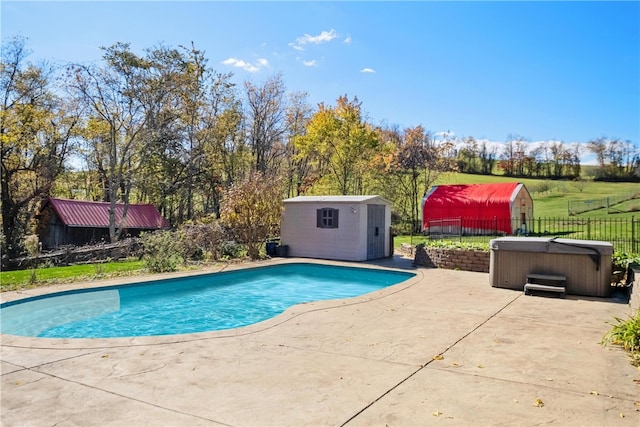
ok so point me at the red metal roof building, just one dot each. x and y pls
(79, 222)
(499, 208)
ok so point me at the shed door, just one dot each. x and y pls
(375, 231)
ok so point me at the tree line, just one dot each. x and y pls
(163, 127)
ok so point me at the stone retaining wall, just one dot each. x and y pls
(452, 259)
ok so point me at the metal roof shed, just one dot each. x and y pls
(80, 222)
(348, 228)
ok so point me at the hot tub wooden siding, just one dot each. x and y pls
(586, 264)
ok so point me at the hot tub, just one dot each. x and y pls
(585, 263)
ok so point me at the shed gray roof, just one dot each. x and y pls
(336, 199)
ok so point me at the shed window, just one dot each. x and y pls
(327, 218)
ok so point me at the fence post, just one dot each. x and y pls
(634, 241)
(588, 228)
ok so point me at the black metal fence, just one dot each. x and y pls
(622, 233)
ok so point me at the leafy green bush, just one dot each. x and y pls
(230, 249)
(539, 187)
(620, 260)
(452, 244)
(161, 251)
(626, 334)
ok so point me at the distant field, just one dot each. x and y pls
(550, 197)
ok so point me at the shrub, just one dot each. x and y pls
(626, 334)
(621, 260)
(539, 187)
(230, 249)
(32, 245)
(252, 211)
(201, 242)
(454, 244)
(161, 251)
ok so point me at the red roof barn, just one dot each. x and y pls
(499, 208)
(80, 222)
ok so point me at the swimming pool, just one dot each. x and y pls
(209, 302)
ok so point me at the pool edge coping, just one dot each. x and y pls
(286, 316)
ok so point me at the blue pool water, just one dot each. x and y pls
(186, 305)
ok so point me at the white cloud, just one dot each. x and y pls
(444, 134)
(347, 40)
(247, 66)
(311, 63)
(323, 37)
(367, 70)
(296, 47)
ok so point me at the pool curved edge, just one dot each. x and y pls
(289, 314)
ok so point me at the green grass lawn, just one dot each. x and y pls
(24, 279)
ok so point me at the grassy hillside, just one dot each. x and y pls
(551, 198)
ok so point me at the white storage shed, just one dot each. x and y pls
(347, 228)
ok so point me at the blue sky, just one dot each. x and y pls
(566, 71)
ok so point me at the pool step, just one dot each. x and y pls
(545, 284)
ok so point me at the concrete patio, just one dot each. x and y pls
(443, 348)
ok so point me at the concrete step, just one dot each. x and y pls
(536, 287)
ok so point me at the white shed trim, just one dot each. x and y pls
(337, 199)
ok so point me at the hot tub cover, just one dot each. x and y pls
(551, 245)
